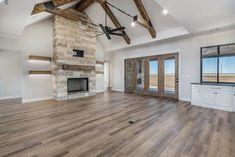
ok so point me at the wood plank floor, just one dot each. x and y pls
(115, 124)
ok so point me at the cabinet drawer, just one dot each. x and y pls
(218, 88)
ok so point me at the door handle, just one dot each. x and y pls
(176, 80)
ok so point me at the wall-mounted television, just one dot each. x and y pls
(78, 53)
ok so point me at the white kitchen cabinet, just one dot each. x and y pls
(234, 99)
(196, 94)
(224, 99)
(208, 97)
(213, 96)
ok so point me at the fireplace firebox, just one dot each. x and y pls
(75, 85)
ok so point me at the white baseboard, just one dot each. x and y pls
(118, 90)
(230, 109)
(36, 99)
(185, 99)
(10, 97)
(99, 91)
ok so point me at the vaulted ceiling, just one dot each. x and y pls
(184, 17)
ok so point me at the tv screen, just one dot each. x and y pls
(78, 53)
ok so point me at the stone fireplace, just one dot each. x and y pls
(69, 68)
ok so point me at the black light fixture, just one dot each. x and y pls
(135, 18)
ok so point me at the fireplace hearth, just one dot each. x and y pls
(75, 85)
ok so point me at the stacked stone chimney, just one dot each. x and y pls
(69, 35)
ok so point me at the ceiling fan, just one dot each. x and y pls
(108, 31)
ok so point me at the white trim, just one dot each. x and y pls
(224, 108)
(118, 90)
(185, 99)
(10, 97)
(36, 99)
(11, 36)
(99, 91)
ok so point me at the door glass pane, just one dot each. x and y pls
(169, 76)
(227, 69)
(153, 75)
(140, 75)
(128, 75)
(209, 69)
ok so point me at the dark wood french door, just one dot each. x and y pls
(153, 75)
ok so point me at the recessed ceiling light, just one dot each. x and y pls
(165, 11)
(133, 24)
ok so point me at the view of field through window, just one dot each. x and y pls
(226, 69)
(169, 75)
(218, 64)
(153, 79)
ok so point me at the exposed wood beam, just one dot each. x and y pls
(58, 3)
(62, 13)
(83, 4)
(40, 7)
(145, 17)
(142, 22)
(113, 19)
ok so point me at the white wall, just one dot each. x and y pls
(99, 57)
(10, 74)
(189, 59)
(37, 39)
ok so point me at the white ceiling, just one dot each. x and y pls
(201, 15)
(14, 16)
(185, 16)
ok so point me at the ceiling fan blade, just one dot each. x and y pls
(116, 29)
(118, 34)
(105, 31)
(97, 35)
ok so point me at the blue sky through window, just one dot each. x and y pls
(169, 66)
(153, 67)
(226, 65)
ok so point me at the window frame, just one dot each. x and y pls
(218, 66)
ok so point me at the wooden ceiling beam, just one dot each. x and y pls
(84, 4)
(145, 17)
(113, 19)
(62, 13)
(142, 22)
(51, 8)
(58, 3)
(40, 7)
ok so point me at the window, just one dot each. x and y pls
(218, 64)
(209, 70)
(153, 75)
(169, 75)
(227, 69)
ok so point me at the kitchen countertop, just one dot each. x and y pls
(216, 84)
